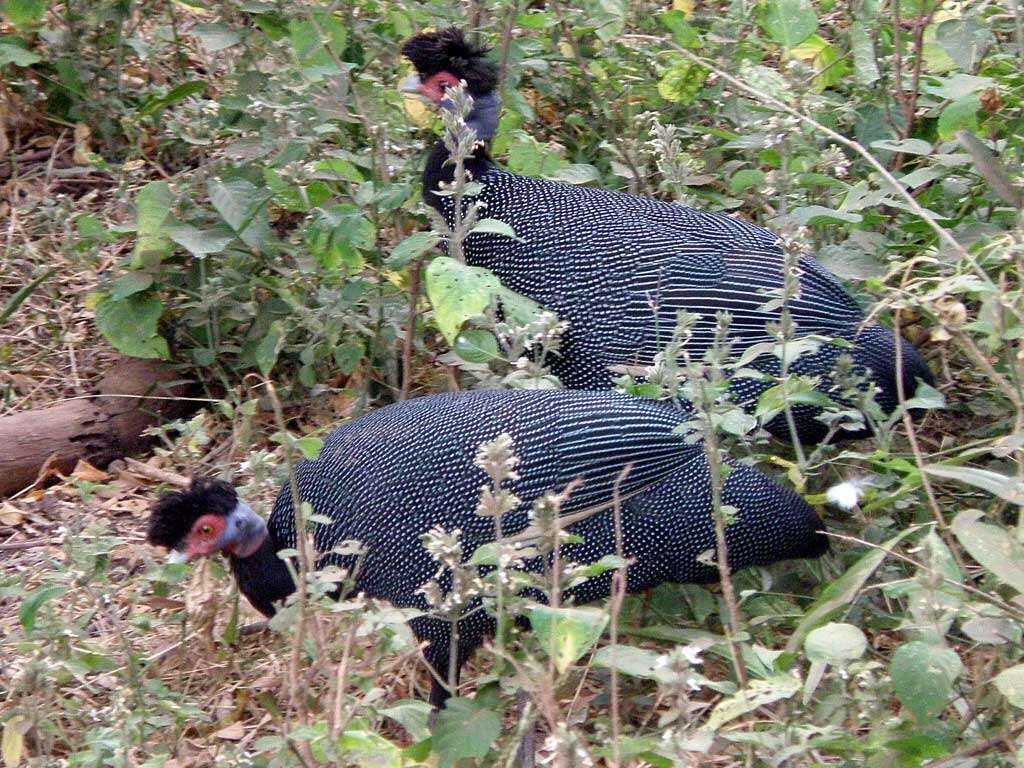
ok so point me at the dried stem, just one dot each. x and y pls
(415, 280)
(619, 583)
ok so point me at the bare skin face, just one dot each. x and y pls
(434, 87)
(239, 533)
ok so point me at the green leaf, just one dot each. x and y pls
(494, 227)
(414, 246)
(576, 173)
(682, 81)
(841, 593)
(567, 633)
(130, 325)
(757, 694)
(458, 292)
(18, 297)
(201, 242)
(172, 97)
(310, 447)
(989, 168)
(153, 209)
(411, 714)
(922, 677)
(747, 178)
(836, 643)
(464, 728)
(993, 547)
(243, 208)
(1004, 486)
(906, 146)
(965, 40)
(34, 601)
(865, 64)
(926, 397)
(25, 13)
(476, 346)
(266, 350)
(348, 356)
(635, 662)
(819, 214)
(131, 283)
(961, 115)
(1010, 683)
(319, 44)
(788, 22)
(216, 37)
(18, 56)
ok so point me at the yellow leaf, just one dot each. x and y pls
(13, 745)
(686, 6)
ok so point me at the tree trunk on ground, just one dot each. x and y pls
(98, 429)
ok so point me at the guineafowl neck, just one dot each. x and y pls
(263, 577)
(440, 171)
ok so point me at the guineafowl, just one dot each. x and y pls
(391, 476)
(620, 268)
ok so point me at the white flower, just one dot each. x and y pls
(845, 495)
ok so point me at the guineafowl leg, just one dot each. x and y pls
(526, 753)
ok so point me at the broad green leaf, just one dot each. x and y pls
(849, 262)
(361, 745)
(922, 677)
(788, 22)
(494, 227)
(757, 694)
(823, 57)
(1004, 486)
(465, 728)
(576, 173)
(266, 350)
(926, 396)
(747, 178)
(961, 115)
(458, 292)
(172, 97)
(819, 214)
(635, 662)
(1010, 683)
(518, 309)
(318, 44)
(906, 146)
(131, 283)
(682, 81)
(348, 355)
(310, 446)
(243, 208)
(991, 169)
(153, 210)
(130, 325)
(18, 56)
(25, 13)
(865, 64)
(476, 346)
(838, 595)
(836, 643)
(34, 601)
(414, 246)
(411, 714)
(216, 37)
(567, 633)
(965, 40)
(201, 242)
(993, 547)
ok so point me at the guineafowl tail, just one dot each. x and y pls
(875, 350)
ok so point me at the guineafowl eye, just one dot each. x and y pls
(620, 269)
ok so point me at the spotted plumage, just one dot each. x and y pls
(392, 475)
(620, 268)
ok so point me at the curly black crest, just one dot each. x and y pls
(449, 51)
(174, 513)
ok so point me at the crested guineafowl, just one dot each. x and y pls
(620, 268)
(391, 476)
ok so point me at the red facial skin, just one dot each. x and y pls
(205, 536)
(433, 87)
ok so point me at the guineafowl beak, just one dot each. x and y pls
(411, 84)
(244, 532)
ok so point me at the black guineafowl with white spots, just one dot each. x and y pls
(620, 268)
(393, 475)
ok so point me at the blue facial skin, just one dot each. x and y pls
(244, 531)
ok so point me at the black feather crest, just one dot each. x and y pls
(449, 51)
(175, 512)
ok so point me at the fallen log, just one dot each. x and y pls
(99, 428)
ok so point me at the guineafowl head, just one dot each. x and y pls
(206, 519)
(444, 58)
